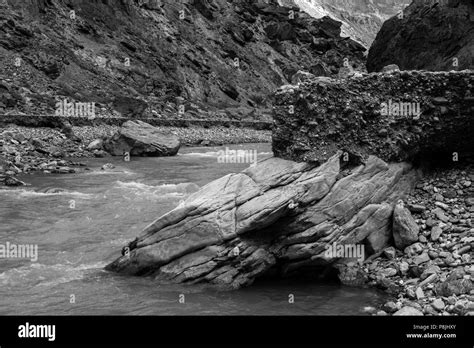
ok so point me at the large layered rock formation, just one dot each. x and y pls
(400, 116)
(276, 217)
(212, 59)
(430, 35)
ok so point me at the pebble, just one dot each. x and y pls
(413, 249)
(433, 254)
(416, 208)
(408, 311)
(419, 293)
(430, 222)
(428, 280)
(389, 253)
(440, 215)
(390, 307)
(418, 260)
(388, 272)
(404, 267)
(443, 206)
(444, 254)
(436, 232)
(411, 294)
(438, 304)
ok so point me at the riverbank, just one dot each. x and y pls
(190, 136)
(27, 150)
(433, 275)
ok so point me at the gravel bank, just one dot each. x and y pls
(188, 136)
(432, 274)
(27, 150)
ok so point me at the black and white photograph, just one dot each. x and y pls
(296, 162)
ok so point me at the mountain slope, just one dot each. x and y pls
(438, 36)
(362, 19)
(188, 58)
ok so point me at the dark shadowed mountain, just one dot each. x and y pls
(433, 35)
(362, 19)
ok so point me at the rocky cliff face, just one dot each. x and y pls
(430, 35)
(362, 19)
(163, 57)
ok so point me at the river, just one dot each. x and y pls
(82, 228)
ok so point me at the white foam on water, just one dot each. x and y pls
(23, 193)
(165, 190)
(218, 153)
(47, 275)
(109, 172)
(201, 154)
(142, 186)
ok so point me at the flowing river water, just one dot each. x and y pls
(84, 226)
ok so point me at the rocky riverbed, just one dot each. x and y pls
(48, 150)
(433, 274)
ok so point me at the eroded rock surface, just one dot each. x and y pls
(278, 216)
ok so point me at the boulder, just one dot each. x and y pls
(11, 181)
(66, 129)
(95, 145)
(351, 275)
(107, 166)
(390, 68)
(278, 216)
(390, 307)
(405, 229)
(141, 139)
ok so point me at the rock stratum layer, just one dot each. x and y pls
(430, 35)
(401, 116)
(212, 59)
(276, 217)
